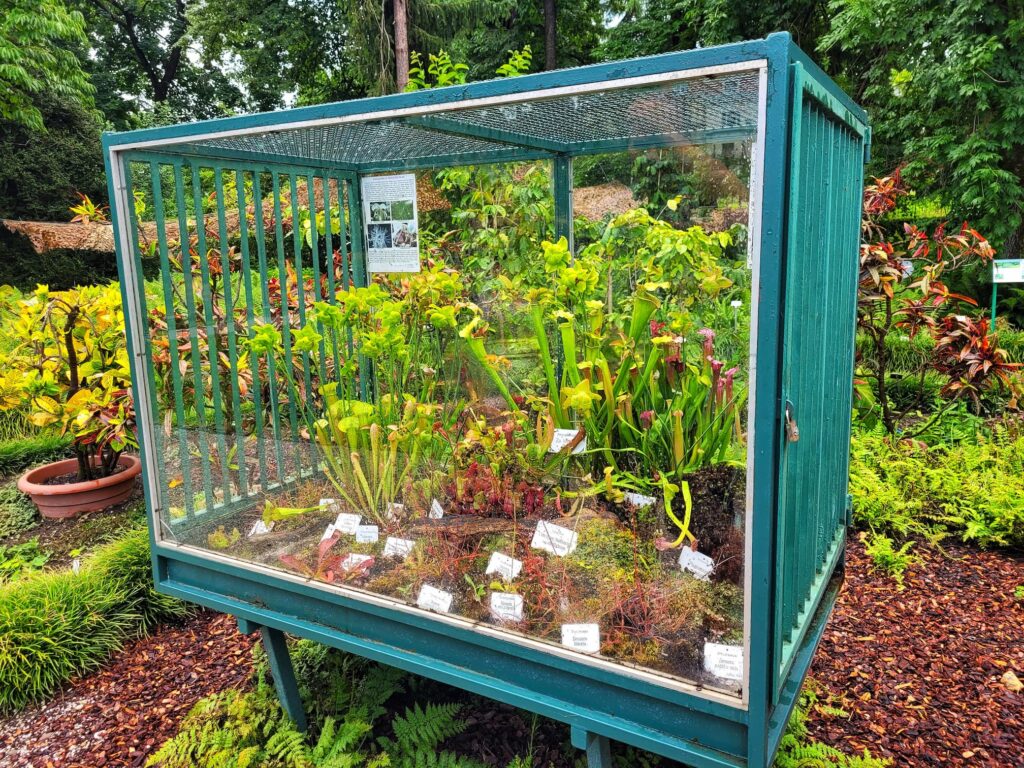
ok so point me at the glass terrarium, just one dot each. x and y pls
(486, 362)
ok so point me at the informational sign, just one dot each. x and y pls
(507, 606)
(1008, 271)
(434, 599)
(554, 539)
(391, 222)
(582, 637)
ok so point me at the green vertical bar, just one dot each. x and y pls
(561, 181)
(254, 362)
(300, 290)
(172, 333)
(329, 259)
(358, 265)
(212, 351)
(261, 253)
(314, 239)
(229, 316)
(286, 330)
(199, 395)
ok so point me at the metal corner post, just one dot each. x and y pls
(281, 669)
(561, 181)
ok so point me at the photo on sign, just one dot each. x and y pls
(380, 235)
(381, 211)
(401, 209)
(404, 235)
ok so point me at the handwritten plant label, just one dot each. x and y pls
(436, 510)
(328, 532)
(507, 606)
(395, 510)
(395, 547)
(503, 565)
(331, 505)
(563, 437)
(346, 522)
(639, 500)
(582, 637)
(367, 534)
(554, 539)
(354, 561)
(697, 563)
(260, 528)
(434, 599)
(724, 661)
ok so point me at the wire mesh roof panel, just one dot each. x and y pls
(695, 111)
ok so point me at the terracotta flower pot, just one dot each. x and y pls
(65, 500)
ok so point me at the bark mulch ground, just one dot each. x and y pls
(919, 670)
(120, 715)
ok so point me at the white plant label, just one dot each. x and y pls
(582, 637)
(503, 565)
(697, 563)
(346, 522)
(434, 599)
(328, 532)
(331, 505)
(507, 606)
(724, 661)
(563, 437)
(436, 510)
(367, 534)
(395, 547)
(554, 539)
(353, 561)
(395, 510)
(639, 500)
(260, 528)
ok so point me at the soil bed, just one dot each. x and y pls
(122, 714)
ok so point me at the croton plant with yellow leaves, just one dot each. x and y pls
(70, 371)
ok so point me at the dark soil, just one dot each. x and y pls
(82, 533)
(120, 715)
(72, 477)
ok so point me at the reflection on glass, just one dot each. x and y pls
(546, 441)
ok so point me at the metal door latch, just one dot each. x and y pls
(792, 430)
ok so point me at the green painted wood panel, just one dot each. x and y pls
(820, 292)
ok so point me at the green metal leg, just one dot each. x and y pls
(281, 668)
(598, 748)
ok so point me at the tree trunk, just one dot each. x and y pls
(550, 14)
(401, 44)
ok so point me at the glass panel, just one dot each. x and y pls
(546, 441)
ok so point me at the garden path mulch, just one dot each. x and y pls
(120, 715)
(919, 670)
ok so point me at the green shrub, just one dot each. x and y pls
(18, 455)
(797, 750)
(972, 490)
(17, 512)
(55, 625)
(126, 563)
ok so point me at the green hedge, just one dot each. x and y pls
(57, 625)
(18, 455)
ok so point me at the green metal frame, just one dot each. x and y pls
(598, 700)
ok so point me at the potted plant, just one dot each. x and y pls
(70, 370)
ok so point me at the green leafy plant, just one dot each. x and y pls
(887, 558)
(19, 559)
(17, 512)
(71, 370)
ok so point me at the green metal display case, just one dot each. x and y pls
(808, 144)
